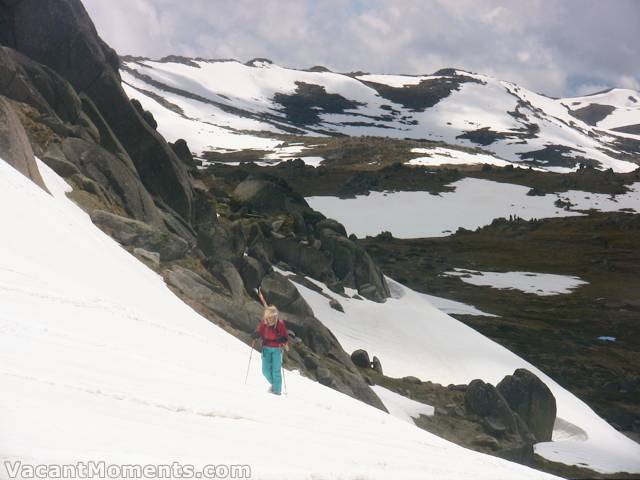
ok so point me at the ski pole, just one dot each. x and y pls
(246, 378)
(284, 380)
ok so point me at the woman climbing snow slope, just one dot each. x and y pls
(273, 333)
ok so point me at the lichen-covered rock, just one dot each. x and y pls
(115, 175)
(133, 233)
(15, 148)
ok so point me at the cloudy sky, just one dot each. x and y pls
(557, 47)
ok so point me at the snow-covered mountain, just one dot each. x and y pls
(215, 104)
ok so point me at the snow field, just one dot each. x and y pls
(542, 284)
(474, 203)
(99, 360)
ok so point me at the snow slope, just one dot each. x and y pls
(412, 337)
(99, 360)
(224, 98)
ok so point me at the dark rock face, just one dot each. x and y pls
(158, 166)
(74, 50)
(24, 80)
(114, 174)
(15, 148)
(532, 400)
(133, 233)
(360, 358)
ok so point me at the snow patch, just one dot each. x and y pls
(542, 284)
(402, 407)
(447, 156)
(474, 203)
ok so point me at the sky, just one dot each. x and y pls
(557, 47)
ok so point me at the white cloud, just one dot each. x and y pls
(548, 46)
(589, 88)
(627, 81)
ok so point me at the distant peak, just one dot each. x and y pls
(259, 62)
(179, 59)
(319, 68)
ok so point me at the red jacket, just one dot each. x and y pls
(275, 336)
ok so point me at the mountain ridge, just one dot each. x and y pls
(451, 105)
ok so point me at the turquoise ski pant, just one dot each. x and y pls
(272, 367)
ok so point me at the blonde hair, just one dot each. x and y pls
(270, 315)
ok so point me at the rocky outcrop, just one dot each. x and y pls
(532, 400)
(72, 136)
(184, 153)
(279, 291)
(352, 265)
(306, 259)
(376, 365)
(360, 358)
(145, 114)
(24, 80)
(133, 233)
(120, 180)
(305, 240)
(484, 400)
(500, 421)
(268, 195)
(252, 272)
(15, 148)
(75, 51)
(215, 298)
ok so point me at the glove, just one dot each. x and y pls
(255, 335)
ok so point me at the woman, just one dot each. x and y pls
(273, 333)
